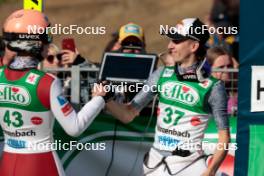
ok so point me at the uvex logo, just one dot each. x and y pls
(14, 94)
(179, 92)
(28, 36)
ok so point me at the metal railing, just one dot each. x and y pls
(76, 82)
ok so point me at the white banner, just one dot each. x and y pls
(257, 89)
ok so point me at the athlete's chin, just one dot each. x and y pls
(177, 59)
(174, 56)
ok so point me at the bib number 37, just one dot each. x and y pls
(13, 118)
(170, 113)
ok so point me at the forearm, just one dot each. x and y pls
(123, 112)
(220, 152)
(73, 123)
(218, 158)
(218, 103)
(89, 112)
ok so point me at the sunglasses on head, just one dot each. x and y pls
(51, 58)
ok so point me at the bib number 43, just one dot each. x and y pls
(13, 118)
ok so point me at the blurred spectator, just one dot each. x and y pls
(219, 58)
(53, 60)
(225, 13)
(61, 59)
(131, 39)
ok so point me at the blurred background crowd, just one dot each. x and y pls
(136, 31)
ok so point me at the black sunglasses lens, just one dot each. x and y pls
(59, 56)
(50, 58)
(177, 41)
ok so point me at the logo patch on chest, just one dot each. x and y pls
(14, 94)
(32, 78)
(168, 73)
(179, 92)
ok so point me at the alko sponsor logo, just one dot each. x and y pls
(14, 94)
(179, 92)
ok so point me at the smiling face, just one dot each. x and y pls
(183, 52)
(222, 62)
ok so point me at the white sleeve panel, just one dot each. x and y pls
(73, 124)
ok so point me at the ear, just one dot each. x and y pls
(194, 46)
